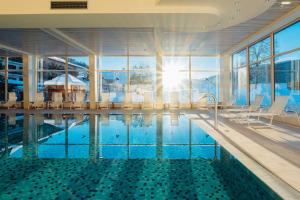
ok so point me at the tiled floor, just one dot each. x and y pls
(282, 139)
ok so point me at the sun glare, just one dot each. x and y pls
(171, 78)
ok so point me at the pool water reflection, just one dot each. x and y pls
(136, 156)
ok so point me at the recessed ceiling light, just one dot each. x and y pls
(285, 3)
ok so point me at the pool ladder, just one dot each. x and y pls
(207, 95)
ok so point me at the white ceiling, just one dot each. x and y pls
(135, 40)
(192, 15)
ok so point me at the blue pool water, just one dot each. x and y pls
(136, 156)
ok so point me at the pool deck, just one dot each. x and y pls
(274, 152)
(271, 153)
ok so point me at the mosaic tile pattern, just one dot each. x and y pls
(128, 179)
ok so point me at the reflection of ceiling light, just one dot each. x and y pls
(285, 3)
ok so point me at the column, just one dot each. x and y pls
(248, 77)
(66, 137)
(6, 78)
(159, 84)
(93, 81)
(66, 79)
(272, 70)
(158, 34)
(225, 79)
(29, 80)
(190, 81)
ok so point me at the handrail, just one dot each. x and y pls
(216, 107)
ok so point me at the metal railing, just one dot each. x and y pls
(206, 95)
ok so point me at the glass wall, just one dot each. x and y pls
(287, 65)
(287, 79)
(239, 78)
(205, 76)
(52, 76)
(286, 69)
(113, 77)
(15, 76)
(2, 78)
(142, 76)
(78, 79)
(260, 71)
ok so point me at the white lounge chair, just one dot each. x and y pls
(174, 100)
(254, 107)
(127, 101)
(104, 103)
(39, 101)
(276, 109)
(12, 101)
(79, 100)
(148, 100)
(57, 100)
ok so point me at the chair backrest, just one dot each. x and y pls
(57, 97)
(256, 103)
(105, 97)
(279, 105)
(79, 97)
(12, 96)
(40, 97)
(174, 97)
(148, 98)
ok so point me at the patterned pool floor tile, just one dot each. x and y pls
(127, 179)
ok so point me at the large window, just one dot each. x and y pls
(287, 39)
(260, 71)
(287, 79)
(78, 79)
(239, 78)
(52, 76)
(286, 69)
(205, 76)
(15, 76)
(142, 76)
(2, 79)
(287, 66)
(113, 77)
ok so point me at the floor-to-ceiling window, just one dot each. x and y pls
(287, 65)
(205, 76)
(286, 57)
(260, 71)
(51, 76)
(15, 76)
(78, 79)
(51, 73)
(113, 77)
(142, 76)
(175, 74)
(239, 78)
(2, 78)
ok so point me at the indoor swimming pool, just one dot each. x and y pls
(118, 156)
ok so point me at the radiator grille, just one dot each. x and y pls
(69, 5)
